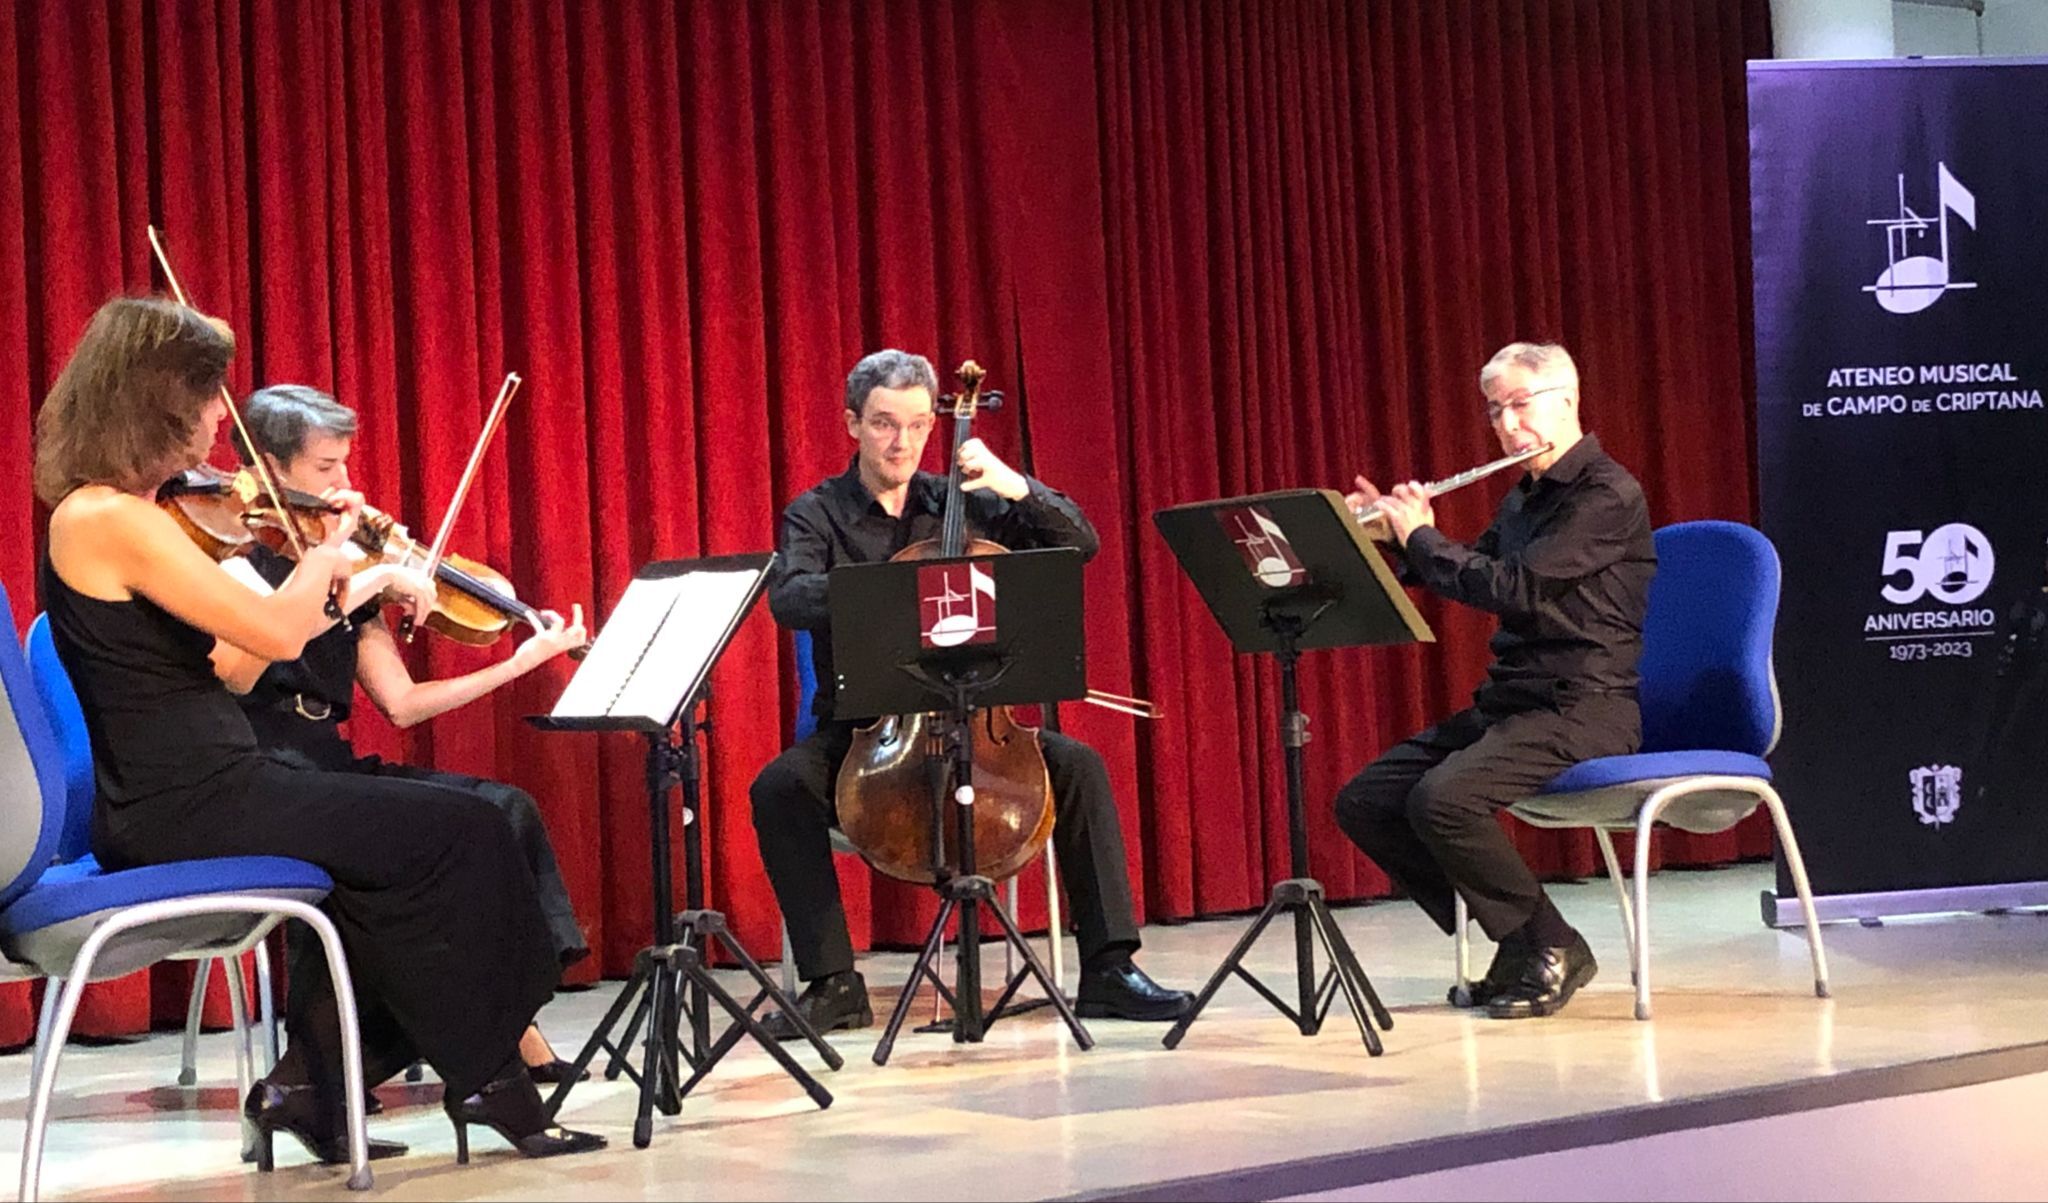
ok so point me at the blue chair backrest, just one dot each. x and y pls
(1707, 678)
(31, 773)
(67, 723)
(806, 686)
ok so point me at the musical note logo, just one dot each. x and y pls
(1911, 282)
(956, 605)
(1264, 546)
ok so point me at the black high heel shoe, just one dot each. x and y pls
(554, 1073)
(510, 1106)
(295, 1110)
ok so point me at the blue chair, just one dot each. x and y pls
(70, 921)
(60, 706)
(806, 725)
(1710, 716)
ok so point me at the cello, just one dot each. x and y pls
(892, 781)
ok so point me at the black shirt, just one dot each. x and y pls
(840, 522)
(297, 706)
(1566, 564)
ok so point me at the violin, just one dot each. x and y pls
(229, 514)
(885, 793)
(473, 602)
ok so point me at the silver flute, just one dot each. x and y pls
(1438, 488)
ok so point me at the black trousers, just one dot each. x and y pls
(445, 937)
(317, 744)
(793, 817)
(1424, 812)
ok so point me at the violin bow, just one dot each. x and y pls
(163, 260)
(439, 546)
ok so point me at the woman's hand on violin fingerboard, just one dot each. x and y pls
(560, 637)
(407, 587)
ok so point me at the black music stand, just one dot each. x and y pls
(916, 650)
(648, 672)
(1285, 573)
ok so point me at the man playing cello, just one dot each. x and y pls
(879, 505)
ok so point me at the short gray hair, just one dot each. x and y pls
(1548, 359)
(889, 369)
(280, 417)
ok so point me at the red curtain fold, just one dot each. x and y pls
(1228, 247)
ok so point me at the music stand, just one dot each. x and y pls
(646, 672)
(1284, 573)
(901, 646)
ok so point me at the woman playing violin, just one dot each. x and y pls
(297, 706)
(432, 893)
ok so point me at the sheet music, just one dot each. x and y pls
(654, 646)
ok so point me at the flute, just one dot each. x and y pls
(1438, 488)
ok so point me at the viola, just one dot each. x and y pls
(473, 602)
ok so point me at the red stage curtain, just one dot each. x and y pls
(1220, 246)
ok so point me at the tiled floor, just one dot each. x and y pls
(1028, 1115)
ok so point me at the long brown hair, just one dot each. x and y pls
(130, 397)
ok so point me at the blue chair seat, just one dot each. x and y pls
(80, 888)
(47, 926)
(1608, 793)
(1609, 771)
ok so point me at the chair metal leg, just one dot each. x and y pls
(1646, 821)
(359, 1177)
(195, 1011)
(46, 1072)
(147, 914)
(1010, 896)
(266, 1003)
(53, 988)
(1628, 916)
(1462, 938)
(1055, 932)
(245, 1051)
(788, 963)
(1797, 865)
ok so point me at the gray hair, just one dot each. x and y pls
(281, 416)
(889, 369)
(1547, 359)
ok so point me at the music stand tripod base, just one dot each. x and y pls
(671, 985)
(1034, 654)
(1285, 572)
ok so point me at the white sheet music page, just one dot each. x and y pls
(654, 646)
(617, 651)
(705, 606)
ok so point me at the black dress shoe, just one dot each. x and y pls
(1549, 978)
(295, 1110)
(1505, 971)
(836, 1002)
(1123, 991)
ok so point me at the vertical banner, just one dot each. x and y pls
(1900, 220)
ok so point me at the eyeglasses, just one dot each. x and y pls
(1520, 405)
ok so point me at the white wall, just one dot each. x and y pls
(2008, 28)
(1832, 28)
(2016, 27)
(1933, 30)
